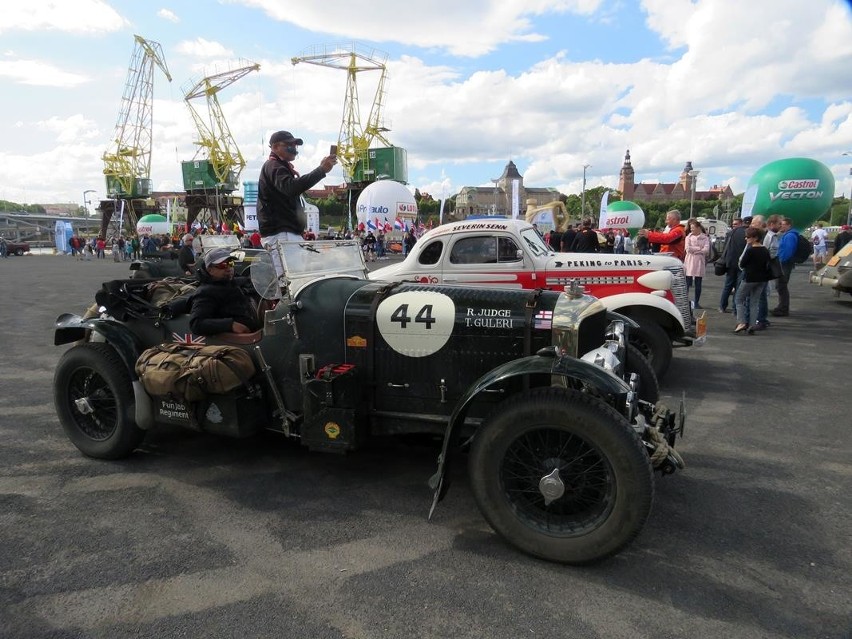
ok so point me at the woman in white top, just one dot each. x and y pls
(697, 249)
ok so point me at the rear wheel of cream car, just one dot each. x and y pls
(561, 475)
(649, 386)
(654, 343)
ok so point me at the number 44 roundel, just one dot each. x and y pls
(416, 323)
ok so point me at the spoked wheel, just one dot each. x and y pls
(654, 343)
(94, 400)
(649, 386)
(561, 475)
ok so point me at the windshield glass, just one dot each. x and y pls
(216, 241)
(533, 242)
(322, 257)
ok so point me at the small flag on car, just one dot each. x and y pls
(543, 319)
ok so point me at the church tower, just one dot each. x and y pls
(626, 179)
(686, 178)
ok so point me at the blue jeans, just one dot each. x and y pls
(748, 299)
(763, 305)
(732, 279)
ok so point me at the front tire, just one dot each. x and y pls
(561, 475)
(654, 343)
(649, 385)
(94, 401)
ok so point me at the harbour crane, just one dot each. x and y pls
(127, 160)
(213, 175)
(361, 162)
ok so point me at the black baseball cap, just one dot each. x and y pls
(284, 136)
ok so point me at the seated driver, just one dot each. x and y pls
(220, 305)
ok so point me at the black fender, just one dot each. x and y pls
(73, 328)
(544, 362)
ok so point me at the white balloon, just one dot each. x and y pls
(385, 199)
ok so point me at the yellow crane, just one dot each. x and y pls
(224, 162)
(213, 175)
(354, 142)
(127, 160)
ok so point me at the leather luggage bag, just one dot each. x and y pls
(191, 373)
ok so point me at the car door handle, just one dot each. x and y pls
(451, 279)
(392, 385)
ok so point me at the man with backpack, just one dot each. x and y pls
(790, 250)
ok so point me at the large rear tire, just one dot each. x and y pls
(561, 475)
(94, 401)
(654, 343)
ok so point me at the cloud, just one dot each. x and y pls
(75, 128)
(37, 73)
(471, 28)
(201, 48)
(166, 14)
(77, 16)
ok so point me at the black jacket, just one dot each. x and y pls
(841, 240)
(216, 305)
(279, 207)
(734, 247)
(755, 264)
(586, 241)
(186, 259)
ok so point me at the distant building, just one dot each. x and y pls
(666, 192)
(498, 199)
(338, 192)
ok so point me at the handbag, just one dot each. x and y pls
(719, 267)
(775, 271)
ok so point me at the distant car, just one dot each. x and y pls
(505, 253)
(837, 273)
(16, 248)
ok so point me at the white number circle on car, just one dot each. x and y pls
(416, 323)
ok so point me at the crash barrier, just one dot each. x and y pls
(191, 373)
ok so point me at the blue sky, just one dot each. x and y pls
(550, 84)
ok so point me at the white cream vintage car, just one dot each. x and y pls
(505, 253)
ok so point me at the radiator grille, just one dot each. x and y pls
(681, 297)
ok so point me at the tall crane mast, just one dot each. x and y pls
(355, 140)
(127, 160)
(213, 175)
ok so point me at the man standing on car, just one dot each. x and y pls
(280, 208)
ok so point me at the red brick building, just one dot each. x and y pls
(666, 191)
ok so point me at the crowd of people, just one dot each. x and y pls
(759, 251)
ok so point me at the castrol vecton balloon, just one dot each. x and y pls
(622, 215)
(799, 188)
(152, 224)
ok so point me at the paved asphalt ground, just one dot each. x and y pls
(198, 536)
